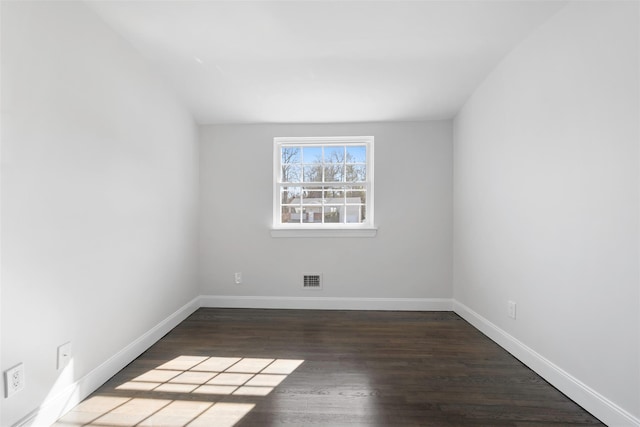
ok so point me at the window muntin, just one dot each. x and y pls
(323, 182)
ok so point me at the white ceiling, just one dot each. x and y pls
(324, 61)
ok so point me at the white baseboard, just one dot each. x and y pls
(327, 303)
(55, 406)
(601, 407)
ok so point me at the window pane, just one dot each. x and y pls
(334, 172)
(291, 173)
(312, 214)
(290, 215)
(290, 195)
(355, 213)
(312, 154)
(290, 155)
(333, 195)
(356, 197)
(356, 173)
(313, 173)
(334, 154)
(332, 214)
(357, 154)
(312, 196)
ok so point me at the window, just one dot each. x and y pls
(323, 183)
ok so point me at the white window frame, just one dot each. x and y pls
(363, 229)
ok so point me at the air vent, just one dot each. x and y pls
(312, 281)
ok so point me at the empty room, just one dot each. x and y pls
(331, 213)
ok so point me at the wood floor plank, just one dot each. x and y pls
(360, 368)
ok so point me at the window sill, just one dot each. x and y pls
(324, 232)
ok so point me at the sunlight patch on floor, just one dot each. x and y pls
(196, 375)
(154, 412)
(215, 375)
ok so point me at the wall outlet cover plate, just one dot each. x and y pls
(14, 380)
(64, 355)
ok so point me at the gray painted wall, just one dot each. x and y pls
(99, 197)
(409, 258)
(546, 197)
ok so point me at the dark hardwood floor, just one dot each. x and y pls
(224, 367)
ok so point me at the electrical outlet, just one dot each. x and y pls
(64, 355)
(511, 309)
(238, 278)
(13, 380)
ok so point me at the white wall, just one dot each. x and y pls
(409, 258)
(546, 198)
(99, 196)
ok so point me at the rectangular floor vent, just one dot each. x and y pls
(312, 281)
